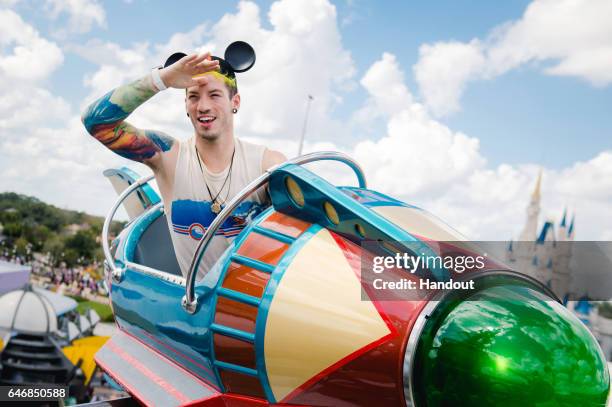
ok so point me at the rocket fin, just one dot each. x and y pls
(149, 377)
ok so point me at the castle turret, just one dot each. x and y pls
(561, 278)
(525, 245)
(533, 211)
(544, 254)
(562, 235)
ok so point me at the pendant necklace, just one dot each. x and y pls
(215, 204)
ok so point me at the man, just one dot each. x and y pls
(197, 176)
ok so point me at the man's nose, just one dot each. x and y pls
(204, 105)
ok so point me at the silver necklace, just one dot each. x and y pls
(215, 206)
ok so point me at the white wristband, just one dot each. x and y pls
(157, 80)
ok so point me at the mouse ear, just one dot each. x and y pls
(174, 58)
(240, 56)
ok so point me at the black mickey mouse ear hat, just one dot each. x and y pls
(239, 57)
(174, 58)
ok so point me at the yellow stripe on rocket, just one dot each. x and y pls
(317, 316)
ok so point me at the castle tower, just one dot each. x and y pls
(544, 255)
(545, 251)
(524, 248)
(562, 235)
(561, 272)
(533, 211)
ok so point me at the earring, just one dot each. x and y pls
(187, 114)
(234, 110)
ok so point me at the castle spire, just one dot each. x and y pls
(529, 232)
(564, 216)
(536, 191)
(570, 230)
(562, 233)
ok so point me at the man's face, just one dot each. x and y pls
(210, 108)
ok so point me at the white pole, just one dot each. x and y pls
(310, 98)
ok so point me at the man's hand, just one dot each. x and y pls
(184, 73)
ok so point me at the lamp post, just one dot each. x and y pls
(310, 99)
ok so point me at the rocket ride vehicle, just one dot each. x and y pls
(289, 314)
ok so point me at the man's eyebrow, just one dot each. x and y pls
(192, 92)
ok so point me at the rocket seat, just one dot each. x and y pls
(155, 249)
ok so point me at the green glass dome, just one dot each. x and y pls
(507, 345)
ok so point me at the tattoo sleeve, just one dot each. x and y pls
(105, 118)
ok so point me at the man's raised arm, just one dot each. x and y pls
(105, 118)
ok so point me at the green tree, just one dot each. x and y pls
(71, 257)
(12, 230)
(54, 245)
(22, 248)
(83, 243)
(37, 235)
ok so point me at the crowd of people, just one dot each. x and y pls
(83, 280)
(76, 281)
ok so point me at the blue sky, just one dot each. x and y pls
(451, 105)
(522, 116)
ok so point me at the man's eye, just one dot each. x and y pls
(193, 97)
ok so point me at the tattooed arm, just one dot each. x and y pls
(105, 118)
(105, 121)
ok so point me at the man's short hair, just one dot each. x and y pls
(230, 83)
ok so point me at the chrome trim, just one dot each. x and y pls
(190, 300)
(329, 156)
(189, 306)
(107, 269)
(118, 272)
(172, 278)
(413, 340)
(428, 310)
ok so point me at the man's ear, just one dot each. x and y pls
(236, 101)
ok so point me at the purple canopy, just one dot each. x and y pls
(13, 276)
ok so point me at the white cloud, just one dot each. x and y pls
(301, 54)
(44, 149)
(590, 180)
(27, 51)
(423, 162)
(561, 37)
(426, 153)
(491, 203)
(442, 71)
(118, 65)
(418, 159)
(47, 161)
(20, 106)
(82, 14)
(384, 81)
(61, 165)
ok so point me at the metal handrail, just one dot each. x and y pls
(116, 272)
(190, 301)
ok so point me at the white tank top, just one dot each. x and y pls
(190, 209)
